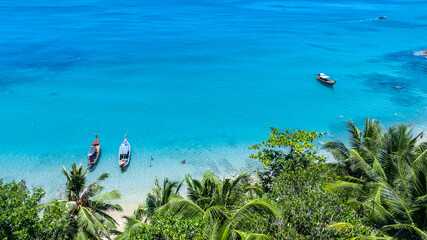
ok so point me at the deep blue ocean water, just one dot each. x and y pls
(195, 80)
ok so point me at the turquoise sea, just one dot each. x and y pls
(196, 80)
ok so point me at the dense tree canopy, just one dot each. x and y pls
(18, 211)
(21, 216)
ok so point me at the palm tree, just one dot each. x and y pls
(86, 208)
(230, 191)
(210, 194)
(223, 223)
(213, 191)
(201, 191)
(392, 181)
(366, 143)
(159, 197)
(400, 210)
(155, 201)
(398, 142)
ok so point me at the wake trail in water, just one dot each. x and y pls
(363, 20)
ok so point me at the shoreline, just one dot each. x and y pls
(130, 204)
(138, 180)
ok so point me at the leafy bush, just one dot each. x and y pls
(284, 151)
(295, 177)
(171, 227)
(19, 213)
(308, 210)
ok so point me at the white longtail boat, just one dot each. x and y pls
(124, 154)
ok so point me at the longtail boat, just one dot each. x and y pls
(94, 152)
(325, 79)
(124, 154)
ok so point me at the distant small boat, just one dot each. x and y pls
(94, 152)
(124, 154)
(325, 79)
(382, 17)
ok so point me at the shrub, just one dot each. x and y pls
(171, 227)
(307, 209)
(285, 151)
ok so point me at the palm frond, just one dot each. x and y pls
(56, 202)
(215, 213)
(258, 207)
(420, 233)
(341, 226)
(359, 163)
(186, 208)
(113, 195)
(90, 224)
(89, 190)
(179, 187)
(249, 236)
(131, 227)
(355, 134)
(65, 172)
(338, 150)
(346, 188)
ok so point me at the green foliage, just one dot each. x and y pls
(211, 213)
(222, 223)
(160, 196)
(57, 223)
(211, 190)
(171, 227)
(295, 176)
(18, 211)
(84, 208)
(376, 190)
(284, 151)
(20, 214)
(155, 202)
(307, 209)
(386, 177)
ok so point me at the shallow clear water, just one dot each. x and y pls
(195, 80)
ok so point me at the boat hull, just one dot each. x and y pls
(328, 82)
(94, 153)
(92, 162)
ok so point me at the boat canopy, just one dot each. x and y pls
(323, 75)
(91, 151)
(124, 149)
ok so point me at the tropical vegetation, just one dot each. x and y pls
(385, 177)
(19, 213)
(375, 188)
(85, 207)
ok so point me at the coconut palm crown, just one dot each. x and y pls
(155, 201)
(223, 223)
(386, 177)
(85, 206)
